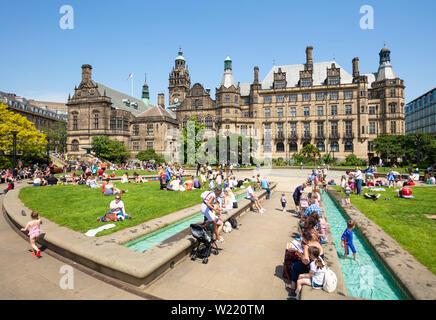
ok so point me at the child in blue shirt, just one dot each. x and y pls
(347, 240)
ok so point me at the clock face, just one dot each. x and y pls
(176, 100)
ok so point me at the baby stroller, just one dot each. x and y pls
(309, 181)
(205, 237)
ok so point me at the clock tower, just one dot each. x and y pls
(179, 81)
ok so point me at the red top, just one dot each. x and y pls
(406, 191)
(411, 183)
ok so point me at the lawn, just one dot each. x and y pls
(77, 207)
(405, 220)
(118, 173)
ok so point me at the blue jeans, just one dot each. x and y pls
(359, 186)
(269, 192)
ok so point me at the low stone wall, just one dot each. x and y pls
(332, 262)
(415, 279)
(105, 254)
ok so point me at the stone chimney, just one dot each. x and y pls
(256, 74)
(208, 91)
(355, 67)
(309, 60)
(161, 99)
(86, 72)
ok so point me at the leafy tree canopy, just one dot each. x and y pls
(111, 150)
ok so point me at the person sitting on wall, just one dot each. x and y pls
(405, 192)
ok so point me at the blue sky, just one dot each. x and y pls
(40, 60)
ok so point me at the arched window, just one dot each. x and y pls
(320, 146)
(305, 143)
(74, 145)
(334, 146)
(348, 146)
(199, 120)
(293, 147)
(208, 122)
(280, 147)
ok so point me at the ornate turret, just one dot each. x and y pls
(228, 80)
(145, 93)
(385, 70)
(179, 81)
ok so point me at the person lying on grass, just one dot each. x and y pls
(372, 196)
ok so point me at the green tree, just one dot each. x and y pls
(390, 147)
(310, 152)
(29, 140)
(192, 134)
(111, 150)
(148, 155)
(56, 136)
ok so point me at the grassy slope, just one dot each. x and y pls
(405, 220)
(78, 207)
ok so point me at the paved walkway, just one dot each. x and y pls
(22, 276)
(250, 264)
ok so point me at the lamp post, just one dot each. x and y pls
(48, 149)
(14, 149)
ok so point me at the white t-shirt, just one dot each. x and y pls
(118, 208)
(432, 180)
(343, 181)
(37, 180)
(358, 175)
(175, 185)
(250, 192)
(319, 275)
(208, 213)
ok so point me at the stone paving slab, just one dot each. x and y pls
(22, 276)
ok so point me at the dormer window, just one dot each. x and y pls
(334, 81)
(305, 82)
(279, 85)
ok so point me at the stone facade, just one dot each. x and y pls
(96, 110)
(315, 102)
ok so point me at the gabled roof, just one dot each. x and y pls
(293, 74)
(157, 111)
(118, 97)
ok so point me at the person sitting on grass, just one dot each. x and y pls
(196, 183)
(117, 207)
(110, 189)
(189, 183)
(316, 275)
(405, 192)
(125, 178)
(92, 183)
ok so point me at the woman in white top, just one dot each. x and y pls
(229, 199)
(125, 178)
(343, 182)
(207, 208)
(316, 275)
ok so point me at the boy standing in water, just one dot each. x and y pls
(347, 240)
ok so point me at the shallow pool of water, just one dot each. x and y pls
(154, 238)
(368, 279)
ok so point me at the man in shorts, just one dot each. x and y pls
(251, 196)
(297, 196)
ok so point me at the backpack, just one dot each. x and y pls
(233, 222)
(330, 281)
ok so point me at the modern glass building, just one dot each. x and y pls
(421, 113)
